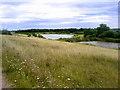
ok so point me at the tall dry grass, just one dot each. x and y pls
(35, 62)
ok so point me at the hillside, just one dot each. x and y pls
(40, 63)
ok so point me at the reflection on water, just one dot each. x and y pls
(102, 44)
(56, 36)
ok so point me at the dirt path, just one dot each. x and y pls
(4, 81)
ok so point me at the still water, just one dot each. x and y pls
(102, 44)
(96, 43)
(56, 36)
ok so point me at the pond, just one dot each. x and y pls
(56, 36)
(102, 44)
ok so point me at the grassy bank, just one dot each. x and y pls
(36, 62)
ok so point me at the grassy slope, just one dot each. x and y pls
(34, 62)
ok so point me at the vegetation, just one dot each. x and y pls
(29, 35)
(31, 62)
(53, 31)
(5, 32)
(40, 36)
(112, 40)
(101, 33)
(35, 35)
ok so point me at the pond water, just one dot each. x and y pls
(102, 44)
(56, 36)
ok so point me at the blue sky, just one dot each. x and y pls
(25, 14)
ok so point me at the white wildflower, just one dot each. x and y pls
(68, 78)
(44, 87)
(38, 78)
(48, 81)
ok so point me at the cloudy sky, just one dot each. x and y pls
(25, 14)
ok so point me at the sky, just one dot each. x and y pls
(26, 14)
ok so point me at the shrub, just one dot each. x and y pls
(29, 35)
(70, 40)
(40, 36)
(79, 32)
(6, 32)
(112, 40)
(78, 39)
(35, 35)
(94, 39)
(86, 39)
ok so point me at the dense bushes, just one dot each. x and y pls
(78, 32)
(40, 36)
(5, 32)
(90, 33)
(35, 35)
(57, 31)
(79, 39)
(110, 34)
(96, 34)
(102, 33)
(112, 40)
(29, 35)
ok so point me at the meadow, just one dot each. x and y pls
(32, 62)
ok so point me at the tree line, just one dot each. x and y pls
(103, 32)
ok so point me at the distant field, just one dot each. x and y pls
(40, 63)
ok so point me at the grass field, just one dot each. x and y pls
(31, 62)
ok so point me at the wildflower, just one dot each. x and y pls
(48, 81)
(64, 87)
(74, 89)
(38, 86)
(15, 81)
(38, 78)
(67, 87)
(20, 69)
(44, 87)
(68, 79)
(58, 76)
(33, 87)
(47, 77)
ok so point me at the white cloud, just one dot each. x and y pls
(13, 20)
(61, 0)
(48, 9)
(97, 19)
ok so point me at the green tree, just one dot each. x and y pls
(90, 32)
(102, 28)
(6, 32)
